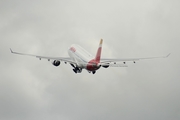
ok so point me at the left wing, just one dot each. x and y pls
(65, 59)
(130, 59)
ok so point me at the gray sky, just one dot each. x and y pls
(31, 89)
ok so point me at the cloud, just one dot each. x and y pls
(33, 89)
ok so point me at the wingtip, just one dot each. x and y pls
(11, 50)
(168, 55)
(101, 41)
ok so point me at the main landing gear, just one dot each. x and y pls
(93, 72)
(77, 70)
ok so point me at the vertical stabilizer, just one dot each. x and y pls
(98, 54)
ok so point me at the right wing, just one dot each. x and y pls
(65, 59)
(108, 61)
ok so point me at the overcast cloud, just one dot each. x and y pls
(32, 90)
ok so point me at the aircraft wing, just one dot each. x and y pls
(65, 59)
(104, 60)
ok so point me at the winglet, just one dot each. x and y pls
(168, 55)
(11, 50)
(101, 42)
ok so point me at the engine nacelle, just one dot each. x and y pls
(105, 66)
(56, 63)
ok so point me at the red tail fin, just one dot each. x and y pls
(98, 54)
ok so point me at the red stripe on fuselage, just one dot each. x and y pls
(92, 65)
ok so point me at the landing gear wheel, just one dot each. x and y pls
(75, 70)
(93, 72)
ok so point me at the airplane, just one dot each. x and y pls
(80, 59)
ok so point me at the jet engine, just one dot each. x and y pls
(105, 66)
(56, 63)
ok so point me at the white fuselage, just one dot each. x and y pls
(79, 55)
